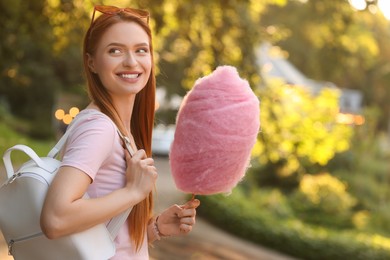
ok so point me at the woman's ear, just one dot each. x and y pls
(90, 63)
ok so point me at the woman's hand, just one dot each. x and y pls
(178, 220)
(141, 174)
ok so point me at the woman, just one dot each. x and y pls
(118, 62)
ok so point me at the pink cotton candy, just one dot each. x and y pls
(216, 129)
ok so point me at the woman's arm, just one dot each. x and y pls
(66, 212)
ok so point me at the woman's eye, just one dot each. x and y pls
(143, 50)
(114, 51)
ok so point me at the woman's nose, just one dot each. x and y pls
(129, 60)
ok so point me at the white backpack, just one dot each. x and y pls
(21, 200)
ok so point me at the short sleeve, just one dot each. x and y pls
(90, 144)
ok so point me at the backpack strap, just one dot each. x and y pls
(116, 222)
(127, 143)
(9, 168)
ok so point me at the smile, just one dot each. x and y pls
(129, 76)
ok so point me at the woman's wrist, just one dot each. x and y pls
(156, 229)
(132, 196)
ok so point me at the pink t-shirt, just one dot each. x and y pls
(95, 148)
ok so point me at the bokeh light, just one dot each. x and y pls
(384, 6)
(66, 118)
(59, 114)
(74, 111)
(358, 4)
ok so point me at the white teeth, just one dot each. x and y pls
(129, 76)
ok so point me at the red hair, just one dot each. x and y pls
(142, 119)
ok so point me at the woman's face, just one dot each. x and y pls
(123, 60)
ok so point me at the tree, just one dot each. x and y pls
(299, 134)
(28, 83)
(194, 37)
(69, 20)
(329, 41)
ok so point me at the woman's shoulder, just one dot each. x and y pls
(92, 121)
(93, 116)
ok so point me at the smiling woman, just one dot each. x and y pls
(119, 67)
(122, 63)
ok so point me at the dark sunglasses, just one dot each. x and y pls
(113, 10)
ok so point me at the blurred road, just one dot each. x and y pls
(204, 242)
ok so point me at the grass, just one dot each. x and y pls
(9, 137)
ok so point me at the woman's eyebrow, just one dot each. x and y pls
(142, 44)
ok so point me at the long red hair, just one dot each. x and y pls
(142, 119)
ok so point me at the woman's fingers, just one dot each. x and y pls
(148, 161)
(141, 173)
(138, 155)
(188, 221)
(140, 158)
(186, 213)
(191, 204)
(185, 228)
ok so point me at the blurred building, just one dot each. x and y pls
(273, 64)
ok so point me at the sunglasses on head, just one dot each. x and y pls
(113, 10)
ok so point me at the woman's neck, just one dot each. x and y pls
(124, 108)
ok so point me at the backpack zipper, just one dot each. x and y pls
(27, 174)
(11, 180)
(16, 240)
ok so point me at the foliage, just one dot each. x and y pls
(326, 39)
(329, 41)
(323, 199)
(191, 39)
(237, 214)
(27, 80)
(365, 167)
(69, 21)
(40, 53)
(194, 37)
(271, 200)
(299, 130)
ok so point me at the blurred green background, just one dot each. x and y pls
(319, 182)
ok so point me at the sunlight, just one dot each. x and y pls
(358, 4)
(384, 6)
